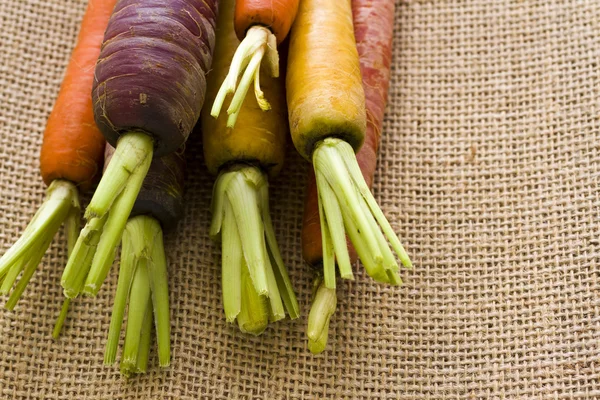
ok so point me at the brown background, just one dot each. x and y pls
(489, 172)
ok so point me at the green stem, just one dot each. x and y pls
(113, 230)
(133, 152)
(335, 226)
(126, 270)
(107, 215)
(61, 197)
(11, 275)
(145, 339)
(232, 260)
(60, 321)
(142, 276)
(139, 299)
(260, 43)
(323, 307)
(328, 251)
(340, 182)
(72, 228)
(30, 268)
(80, 260)
(349, 158)
(254, 313)
(241, 220)
(242, 196)
(249, 75)
(281, 275)
(159, 283)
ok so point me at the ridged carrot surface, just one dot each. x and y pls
(73, 146)
(324, 86)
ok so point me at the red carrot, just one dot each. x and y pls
(71, 157)
(261, 25)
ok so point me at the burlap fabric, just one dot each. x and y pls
(489, 171)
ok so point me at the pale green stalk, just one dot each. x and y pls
(232, 259)
(159, 283)
(323, 307)
(60, 205)
(126, 271)
(254, 313)
(139, 300)
(258, 45)
(107, 214)
(281, 275)
(145, 339)
(143, 282)
(250, 255)
(60, 199)
(342, 189)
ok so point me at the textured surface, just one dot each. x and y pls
(489, 170)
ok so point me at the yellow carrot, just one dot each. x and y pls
(327, 119)
(324, 86)
(256, 286)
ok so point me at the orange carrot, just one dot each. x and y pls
(73, 147)
(71, 157)
(277, 15)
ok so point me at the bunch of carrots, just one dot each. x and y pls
(142, 75)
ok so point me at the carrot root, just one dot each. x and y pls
(255, 280)
(345, 196)
(61, 205)
(258, 45)
(323, 307)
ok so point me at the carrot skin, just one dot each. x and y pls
(150, 75)
(73, 146)
(161, 195)
(324, 91)
(277, 15)
(373, 29)
(259, 137)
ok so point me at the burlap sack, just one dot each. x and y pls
(489, 171)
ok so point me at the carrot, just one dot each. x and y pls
(71, 157)
(148, 91)
(143, 271)
(328, 121)
(261, 25)
(373, 29)
(256, 286)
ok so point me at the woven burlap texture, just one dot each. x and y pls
(489, 171)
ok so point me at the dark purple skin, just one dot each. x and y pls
(161, 195)
(150, 75)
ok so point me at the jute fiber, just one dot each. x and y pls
(489, 172)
